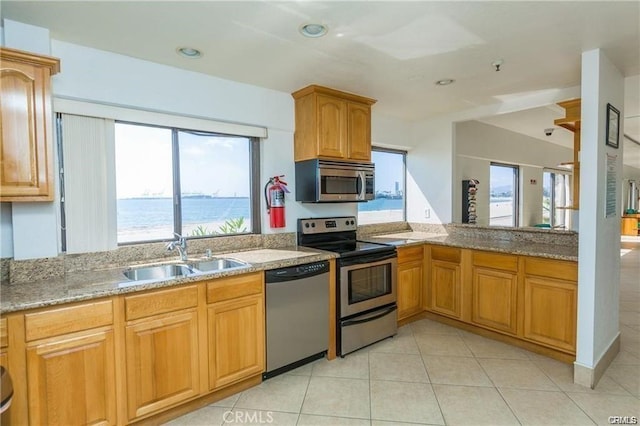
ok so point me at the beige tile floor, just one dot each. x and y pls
(434, 374)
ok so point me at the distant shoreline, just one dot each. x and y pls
(184, 196)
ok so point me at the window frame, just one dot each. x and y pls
(404, 178)
(553, 174)
(516, 192)
(254, 183)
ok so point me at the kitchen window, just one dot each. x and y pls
(556, 190)
(170, 180)
(389, 204)
(503, 193)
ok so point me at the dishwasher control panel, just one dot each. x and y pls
(297, 272)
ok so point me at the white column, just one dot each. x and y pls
(599, 246)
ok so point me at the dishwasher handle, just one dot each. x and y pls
(298, 272)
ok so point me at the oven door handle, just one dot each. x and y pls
(369, 317)
(359, 260)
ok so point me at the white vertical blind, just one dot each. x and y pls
(89, 183)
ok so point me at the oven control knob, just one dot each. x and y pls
(347, 223)
(353, 222)
(306, 225)
(313, 225)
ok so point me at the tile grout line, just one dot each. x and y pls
(511, 410)
(305, 395)
(424, 365)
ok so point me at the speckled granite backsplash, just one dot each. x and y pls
(39, 269)
(534, 235)
(382, 228)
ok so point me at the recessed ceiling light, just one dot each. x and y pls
(313, 30)
(445, 82)
(189, 52)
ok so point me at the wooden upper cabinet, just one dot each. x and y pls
(359, 131)
(331, 124)
(332, 127)
(26, 172)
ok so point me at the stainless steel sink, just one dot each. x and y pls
(158, 272)
(218, 264)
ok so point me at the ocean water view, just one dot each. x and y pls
(136, 213)
(136, 216)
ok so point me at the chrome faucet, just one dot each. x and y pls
(181, 245)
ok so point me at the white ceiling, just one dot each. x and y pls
(388, 50)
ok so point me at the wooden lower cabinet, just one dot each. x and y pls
(162, 361)
(71, 380)
(494, 291)
(528, 298)
(236, 340)
(494, 299)
(550, 311)
(446, 289)
(4, 343)
(410, 281)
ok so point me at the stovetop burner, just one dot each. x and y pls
(338, 235)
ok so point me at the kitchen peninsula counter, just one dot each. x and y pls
(467, 241)
(86, 285)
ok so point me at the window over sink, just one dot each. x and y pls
(389, 204)
(193, 183)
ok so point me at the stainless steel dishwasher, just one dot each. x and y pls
(297, 310)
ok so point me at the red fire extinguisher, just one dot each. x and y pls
(274, 192)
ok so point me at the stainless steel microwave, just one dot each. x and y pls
(324, 181)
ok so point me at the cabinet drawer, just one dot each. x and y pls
(561, 269)
(233, 287)
(505, 262)
(54, 322)
(160, 302)
(410, 254)
(3, 333)
(447, 254)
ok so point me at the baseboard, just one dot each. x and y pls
(565, 357)
(203, 401)
(589, 377)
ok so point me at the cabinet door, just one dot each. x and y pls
(71, 380)
(332, 127)
(494, 297)
(446, 288)
(409, 289)
(236, 340)
(162, 362)
(550, 312)
(359, 128)
(24, 123)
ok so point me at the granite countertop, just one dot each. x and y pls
(77, 286)
(527, 248)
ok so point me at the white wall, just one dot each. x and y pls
(98, 76)
(429, 171)
(530, 195)
(599, 245)
(477, 144)
(433, 179)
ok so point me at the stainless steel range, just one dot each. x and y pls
(366, 279)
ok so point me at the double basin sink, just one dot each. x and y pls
(176, 270)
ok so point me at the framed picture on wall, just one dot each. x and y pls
(613, 126)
